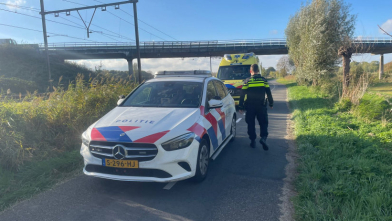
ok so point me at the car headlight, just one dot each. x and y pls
(85, 140)
(180, 142)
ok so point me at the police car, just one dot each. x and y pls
(167, 129)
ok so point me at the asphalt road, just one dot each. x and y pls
(242, 184)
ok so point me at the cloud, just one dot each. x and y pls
(269, 60)
(273, 32)
(15, 2)
(155, 64)
(112, 64)
(159, 64)
(180, 64)
(387, 26)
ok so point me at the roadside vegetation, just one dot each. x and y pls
(342, 114)
(23, 69)
(41, 126)
(344, 168)
(40, 135)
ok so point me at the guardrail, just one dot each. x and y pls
(168, 44)
(193, 44)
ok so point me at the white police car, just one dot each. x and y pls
(167, 129)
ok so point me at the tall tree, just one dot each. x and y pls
(285, 64)
(315, 34)
(269, 70)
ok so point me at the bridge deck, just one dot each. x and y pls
(169, 49)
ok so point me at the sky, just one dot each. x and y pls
(177, 20)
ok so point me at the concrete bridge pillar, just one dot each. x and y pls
(130, 68)
(381, 70)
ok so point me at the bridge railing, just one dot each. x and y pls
(373, 40)
(166, 44)
(191, 44)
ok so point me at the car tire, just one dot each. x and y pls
(233, 129)
(203, 161)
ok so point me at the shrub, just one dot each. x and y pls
(372, 107)
(42, 127)
(344, 105)
(17, 85)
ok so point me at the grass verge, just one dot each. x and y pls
(383, 88)
(35, 177)
(344, 168)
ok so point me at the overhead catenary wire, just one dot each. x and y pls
(30, 29)
(79, 26)
(40, 18)
(21, 7)
(134, 25)
(142, 22)
(119, 18)
(118, 35)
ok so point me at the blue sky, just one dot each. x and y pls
(184, 20)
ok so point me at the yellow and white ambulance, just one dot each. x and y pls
(234, 69)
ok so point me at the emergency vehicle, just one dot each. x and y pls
(234, 69)
(167, 129)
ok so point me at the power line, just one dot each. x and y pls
(71, 21)
(118, 35)
(134, 25)
(21, 7)
(143, 22)
(106, 35)
(32, 9)
(13, 26)
(117, 17)
(121, 36)
(75, 3)
(40, 18)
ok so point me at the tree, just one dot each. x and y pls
(314, 36)
(264, 72)
(269, 70)
(285, 65)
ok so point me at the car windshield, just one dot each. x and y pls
(238, 72)
(166, 94)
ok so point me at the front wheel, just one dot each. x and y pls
(203, 159)
(233, 129)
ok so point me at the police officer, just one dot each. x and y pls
(255, 105)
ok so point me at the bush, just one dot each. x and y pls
(17, 85)
(372, 107)
(42, 127)
(344, 105)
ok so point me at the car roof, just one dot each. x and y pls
(189, 79)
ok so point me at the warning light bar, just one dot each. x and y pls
(190, 73)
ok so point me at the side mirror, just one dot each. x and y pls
(215, 103)
(122, 98)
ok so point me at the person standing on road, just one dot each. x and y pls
(255, 105)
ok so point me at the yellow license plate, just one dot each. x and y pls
(121, 163)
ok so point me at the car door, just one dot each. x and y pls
(213, 118)
(225, 111)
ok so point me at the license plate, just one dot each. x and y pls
(120, 163)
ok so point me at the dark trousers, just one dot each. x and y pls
(259, 112)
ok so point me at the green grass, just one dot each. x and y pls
(40, 137)
(344, 168)
(287, 80)
(383, 88)
(35, 177)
